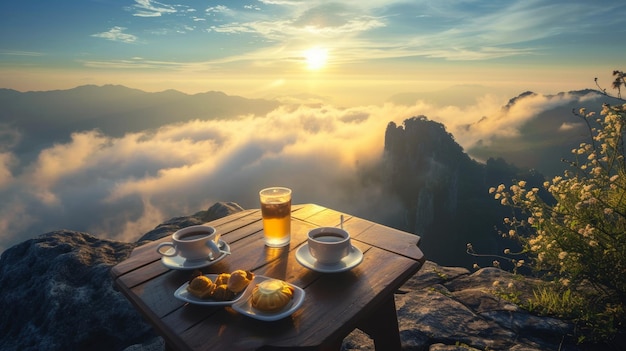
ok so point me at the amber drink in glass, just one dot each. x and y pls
(276, 211)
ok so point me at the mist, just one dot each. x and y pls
(120, 187)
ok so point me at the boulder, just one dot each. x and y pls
(56, 292)
(57, 295)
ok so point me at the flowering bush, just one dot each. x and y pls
(577, 237)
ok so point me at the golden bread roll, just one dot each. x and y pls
(271, 295)
(239, 279)
(201, 287)
(222, 293)
(222, 279)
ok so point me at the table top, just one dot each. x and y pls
(334, 302)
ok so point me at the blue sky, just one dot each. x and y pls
(258, 47)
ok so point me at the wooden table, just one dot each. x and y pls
(334, 305)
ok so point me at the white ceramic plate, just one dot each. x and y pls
(244, 305)
(354, 258)
(182, 294)
(180, 263)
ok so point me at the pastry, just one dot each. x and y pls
(201, 287)
(271, 295)
(195, 273)
(222, 293)
(222, 279)
(239, 279)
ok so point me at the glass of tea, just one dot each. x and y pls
(276, 211)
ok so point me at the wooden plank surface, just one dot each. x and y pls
(334, 303)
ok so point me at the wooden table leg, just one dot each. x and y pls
(382, 326)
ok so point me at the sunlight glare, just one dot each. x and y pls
(316, 58)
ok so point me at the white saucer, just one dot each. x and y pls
(184, 295)
(303, 256)
(180, 263)
(243, 304)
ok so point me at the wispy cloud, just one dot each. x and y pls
(219, 9)
(139, 63)
(21, 53)
(117, 34)
(150, 8)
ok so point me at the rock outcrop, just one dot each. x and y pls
(56, 294)
(443, 192)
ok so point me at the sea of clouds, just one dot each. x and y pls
(122, 187)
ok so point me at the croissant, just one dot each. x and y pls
(271, 295)
(239, 279)
(221, 293)
(201, 287)
(222, 279)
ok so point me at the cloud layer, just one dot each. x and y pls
(122, 187)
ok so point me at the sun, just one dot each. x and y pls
(316, 58)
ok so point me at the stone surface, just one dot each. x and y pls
(219, 210)
(452, 308)
(56, 294)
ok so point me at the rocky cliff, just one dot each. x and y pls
(57, 295)
(443, 192)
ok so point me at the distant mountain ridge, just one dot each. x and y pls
(43, 117)
(545, 138)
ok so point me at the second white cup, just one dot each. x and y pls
(328, 245)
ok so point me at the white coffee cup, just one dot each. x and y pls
(193, 243)
(328, 245)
